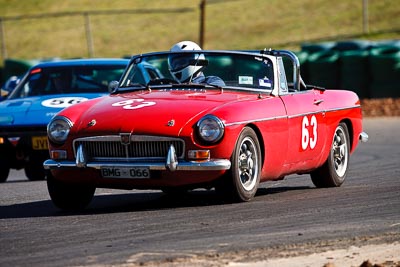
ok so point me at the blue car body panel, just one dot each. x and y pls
(38, 110)
(27, 110)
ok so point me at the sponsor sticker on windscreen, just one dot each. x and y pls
(265, 82)
(246, 80)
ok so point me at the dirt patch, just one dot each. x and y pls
(366, 251)
(378, 255)
(380, 107)
(383, 255)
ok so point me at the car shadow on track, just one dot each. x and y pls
(131, 202)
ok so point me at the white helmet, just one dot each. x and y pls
(185, 66)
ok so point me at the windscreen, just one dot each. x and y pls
(68, 79)
(228, 70)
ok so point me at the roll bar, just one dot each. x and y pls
(297, 80)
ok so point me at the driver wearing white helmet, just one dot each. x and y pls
(188, 67)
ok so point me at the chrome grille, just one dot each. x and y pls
(139, 147)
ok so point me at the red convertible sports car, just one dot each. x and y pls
(207, 119)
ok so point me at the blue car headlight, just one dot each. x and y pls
(210, 129)
(58, 129)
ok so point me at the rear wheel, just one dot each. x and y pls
(242, 181)
(333, 172)
(67, 196)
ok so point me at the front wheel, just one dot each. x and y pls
(34, 170)
(4, 170)
(333, 172)
(68, 196)
(244, 177)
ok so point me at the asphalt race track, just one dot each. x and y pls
(140, 227)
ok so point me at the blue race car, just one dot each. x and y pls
(46, 89)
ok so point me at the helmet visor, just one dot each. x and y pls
(178, 62)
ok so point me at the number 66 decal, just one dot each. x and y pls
(309, 139)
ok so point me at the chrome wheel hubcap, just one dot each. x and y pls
(340, 152)
(248, 164)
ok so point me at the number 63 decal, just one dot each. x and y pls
(133, 103)
(309, 134)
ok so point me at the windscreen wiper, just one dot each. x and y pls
(132, 87)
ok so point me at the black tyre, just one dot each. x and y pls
(68, 196)
(333, 172)
(175, 191)
(4, 170)
(242, 181)
(34, 170)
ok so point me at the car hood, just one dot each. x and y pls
(153, 113)
(37, 110)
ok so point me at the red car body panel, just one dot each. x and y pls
(277, 120)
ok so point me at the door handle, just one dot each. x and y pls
(318, 101)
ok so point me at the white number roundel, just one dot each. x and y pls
(133, 103)
(309, 138)
(62, 102)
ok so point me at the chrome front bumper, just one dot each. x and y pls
(211, 165)
(171, 163)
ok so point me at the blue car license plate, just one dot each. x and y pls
(39, 143)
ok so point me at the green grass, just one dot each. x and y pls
(240, 24)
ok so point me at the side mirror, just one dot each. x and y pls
(112, 86)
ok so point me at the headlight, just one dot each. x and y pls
(211, 129)
(58, 129)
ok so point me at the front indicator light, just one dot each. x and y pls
(58, 154)
(1, 140)
(199, 154)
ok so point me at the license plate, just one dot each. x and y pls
(39, 143)
(116, 172)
